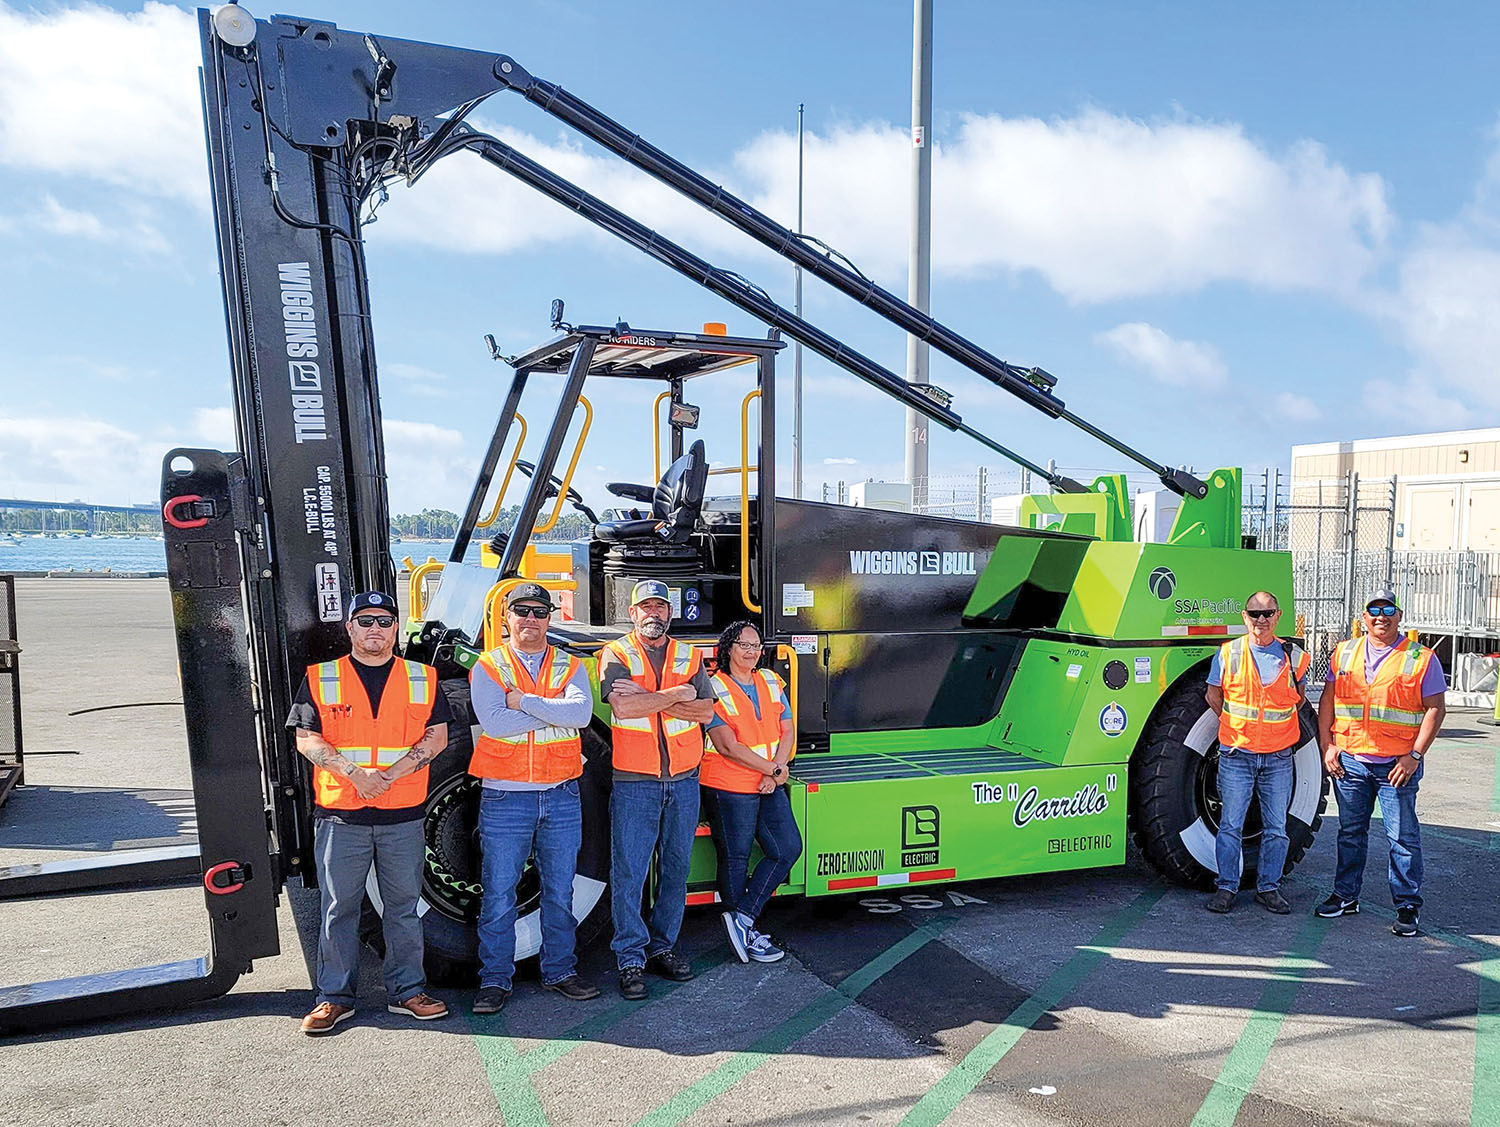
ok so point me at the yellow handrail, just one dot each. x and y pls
(416, 594)
(750, 603)
(567, 481)
(656, 431)
(785, 651)
(510, 469)
(500, 590)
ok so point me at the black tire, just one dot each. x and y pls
(451, 887)
(1174, 793)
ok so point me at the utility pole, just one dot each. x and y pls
(797, 347)
(919, 270)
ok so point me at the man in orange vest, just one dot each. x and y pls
(1256, 684)
(531, 699)
(370, 723)
(660, 698)
(1381, 709)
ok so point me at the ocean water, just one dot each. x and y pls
(140, 553)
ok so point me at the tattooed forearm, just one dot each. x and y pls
(314, 748)
(423, 752)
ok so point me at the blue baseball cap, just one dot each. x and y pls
(372, 600)
(649, 589)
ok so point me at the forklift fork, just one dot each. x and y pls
(232, 858)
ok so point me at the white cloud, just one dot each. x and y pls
(841, 461)
(417, 380)
(1109, 207)
(1416, 405)
(108, 95)
(427, 466)
(214, 427)
(1295, 408)
(64, 458)
(1181, 363)
(1100, 205)
(134, 234)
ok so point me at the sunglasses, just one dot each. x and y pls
(1262, 613)
(368, 620)
(531, 612)
(1384, 609)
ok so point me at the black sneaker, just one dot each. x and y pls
(490, 1000)
(1406, 922)
(1336, 905)
(573, 988)
(669, 964)
(1221, 901)
(1274, 902)
(633, 984)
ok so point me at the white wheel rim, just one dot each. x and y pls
(587, 892)
(1307, 786)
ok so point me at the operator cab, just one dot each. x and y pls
(699, 540)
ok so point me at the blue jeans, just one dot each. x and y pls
(513, 823)
(738, 821)
(1243, 775)
(1363, 784)
(345, 854)
(647, 816)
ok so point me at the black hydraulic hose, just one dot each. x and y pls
(648, 158)
(733, 289)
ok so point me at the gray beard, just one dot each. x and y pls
(652, 628)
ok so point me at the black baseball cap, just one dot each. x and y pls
(528, 593)
(372, 600)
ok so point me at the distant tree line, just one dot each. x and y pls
(145, 523)
(440, 524)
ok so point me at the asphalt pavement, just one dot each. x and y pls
(1095, 998)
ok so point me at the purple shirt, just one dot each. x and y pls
(1434, 682)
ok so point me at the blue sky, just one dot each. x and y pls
(1224, 232)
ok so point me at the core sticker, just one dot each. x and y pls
(1112, 719)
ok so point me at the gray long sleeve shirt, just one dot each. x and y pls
(571, 710)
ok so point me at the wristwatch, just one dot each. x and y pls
(1415, 754)
(778, 771)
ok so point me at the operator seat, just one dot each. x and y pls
(675, 505)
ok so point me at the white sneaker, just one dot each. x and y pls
(739, 936)
(761, 949)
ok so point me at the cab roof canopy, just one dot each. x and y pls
(641, 354)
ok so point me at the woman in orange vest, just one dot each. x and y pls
(1256, 685)
(744, 779)
(1381, 709)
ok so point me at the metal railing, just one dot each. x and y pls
(1449, 592)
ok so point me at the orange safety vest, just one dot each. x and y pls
(1256, 717)
(1379, 718)
(546, 755)
(761, 734)
(367, 739)
(636, 743)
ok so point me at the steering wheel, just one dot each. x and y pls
(553, 485)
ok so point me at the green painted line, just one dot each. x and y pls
(509, 1079)
(1222, 1104)
(940, 1100)
(1484, 1107)
(569, 1039)
(789, 1032)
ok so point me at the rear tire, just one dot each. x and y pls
(1174, 793)
(451, 888)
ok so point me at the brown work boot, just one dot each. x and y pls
(324, 1016)
(422, 1007)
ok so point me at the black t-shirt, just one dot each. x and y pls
(304, 715)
